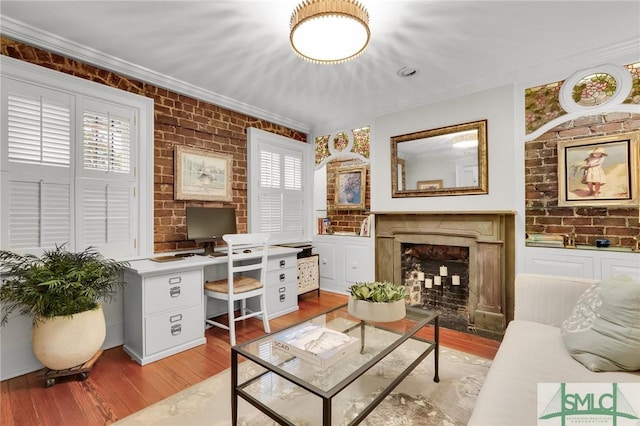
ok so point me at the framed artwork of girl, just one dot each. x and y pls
(602, 171)
(594, 175)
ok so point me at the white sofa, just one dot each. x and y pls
(533, 352)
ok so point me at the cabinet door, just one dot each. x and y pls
(327, 253)
(612, 266)
(358, 264)
(556, 262)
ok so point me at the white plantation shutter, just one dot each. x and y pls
(106, 209)
(271, 213)
(107, 146)
(293, 172)
(107, 142)
(280, 189)
(269, 169)
(104, 215)
(67, 163)
(39, 214)
(39, 129)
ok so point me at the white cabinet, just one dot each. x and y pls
(282, 285)
(344, 260)
(163, 313)
(583, 263)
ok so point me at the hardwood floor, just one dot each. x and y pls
(117, 386)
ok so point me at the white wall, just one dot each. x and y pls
(497, 107)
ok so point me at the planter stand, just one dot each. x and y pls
(82, 371)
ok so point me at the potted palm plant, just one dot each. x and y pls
(61, 290)
(377, 301)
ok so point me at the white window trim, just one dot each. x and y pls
(32, 74)
(255, 137)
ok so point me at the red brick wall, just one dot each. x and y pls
(543, 215)
(178, 120)
(345, 220)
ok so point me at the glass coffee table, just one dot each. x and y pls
(292, 391)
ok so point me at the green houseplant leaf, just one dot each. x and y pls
(377, 291)
(58, 283)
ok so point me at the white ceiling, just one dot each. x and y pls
(237, 53)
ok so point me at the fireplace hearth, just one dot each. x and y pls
(475, 249)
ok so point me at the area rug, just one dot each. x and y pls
(418, 400)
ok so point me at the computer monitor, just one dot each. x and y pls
(208, 224)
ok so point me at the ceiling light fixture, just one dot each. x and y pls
(465, 140)
(329, 31)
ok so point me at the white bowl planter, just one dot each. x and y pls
(68, 341)
(377, 311)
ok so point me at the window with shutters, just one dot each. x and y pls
(68, 171)
(278, 203)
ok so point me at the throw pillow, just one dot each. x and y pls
(603, 331)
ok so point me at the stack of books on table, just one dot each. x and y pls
(316, 344)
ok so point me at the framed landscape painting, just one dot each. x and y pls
(598, 171)
(202, 175)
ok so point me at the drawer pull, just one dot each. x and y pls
(175, 280)
(282, 297)
(175, 318)
(283, 264)
(282, 277)
(282, 289)
(174, 291)
(176, 329)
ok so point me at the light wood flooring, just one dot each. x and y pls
(117, 386)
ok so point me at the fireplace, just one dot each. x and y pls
(478, 248)
(437, 277)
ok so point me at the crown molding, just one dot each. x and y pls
(22, 32)
(622, 53)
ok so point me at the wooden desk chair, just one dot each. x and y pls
(246, 278)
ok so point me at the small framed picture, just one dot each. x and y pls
(351, 187)
(202, 175)
(430, 184)
(599, 171)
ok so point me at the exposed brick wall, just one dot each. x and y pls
(345, 220)
(543, 215)
(178, 120)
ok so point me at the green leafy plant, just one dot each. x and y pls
(58, 283)
(378, 291)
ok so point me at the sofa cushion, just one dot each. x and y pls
(603, 331)
(530, 353)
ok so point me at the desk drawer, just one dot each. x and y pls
(171, 291)
(282, 297)
(279, 263)
(174, 328)
(281, 277)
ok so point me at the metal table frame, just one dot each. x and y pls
(238, 388)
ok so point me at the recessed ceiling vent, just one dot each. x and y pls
(407, 72)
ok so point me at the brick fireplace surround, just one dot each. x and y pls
(490, 239)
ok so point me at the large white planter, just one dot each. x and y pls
(377, 311)
(65, 342)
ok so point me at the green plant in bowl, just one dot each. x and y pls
(378, 291)
(377, 301)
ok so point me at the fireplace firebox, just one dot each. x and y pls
(473, 249)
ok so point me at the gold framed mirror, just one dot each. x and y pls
(448, 160)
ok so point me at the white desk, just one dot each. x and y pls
(164, 305)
